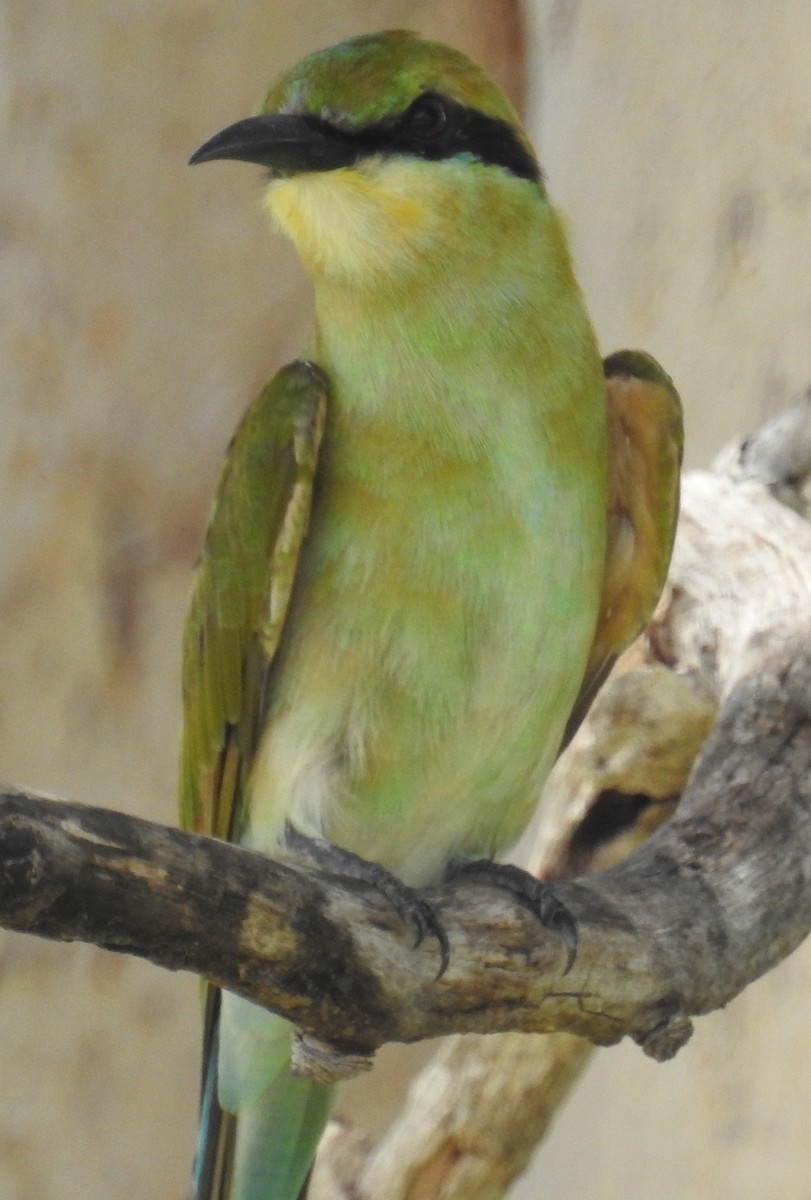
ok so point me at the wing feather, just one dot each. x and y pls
(646, 438)
(242, 592)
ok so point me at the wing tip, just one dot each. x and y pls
(636, 364)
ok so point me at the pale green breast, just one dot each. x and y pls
(445, 603)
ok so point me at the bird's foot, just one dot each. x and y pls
(408, 904)
(538, 897)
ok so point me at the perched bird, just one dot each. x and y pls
(421, 554)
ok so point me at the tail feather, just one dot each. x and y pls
(263, 1150)
(216, 1139)
(277, 1139)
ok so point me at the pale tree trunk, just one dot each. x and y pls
(676, 139)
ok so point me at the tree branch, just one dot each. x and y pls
(742, 570)
(715, 898)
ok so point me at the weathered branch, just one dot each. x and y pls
(715, 898)
(475, 1114)
(710, 902)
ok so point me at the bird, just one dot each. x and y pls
(432, 536)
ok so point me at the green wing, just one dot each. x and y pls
(646, 439)
(242, 591)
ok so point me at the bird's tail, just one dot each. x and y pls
(259, 1124)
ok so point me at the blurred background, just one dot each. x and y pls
(142, 307)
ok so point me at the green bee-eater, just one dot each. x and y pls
(430, 539)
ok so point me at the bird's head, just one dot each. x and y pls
(380, 149)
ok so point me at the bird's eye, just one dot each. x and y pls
(427, 118)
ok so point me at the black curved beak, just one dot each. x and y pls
(286, 144)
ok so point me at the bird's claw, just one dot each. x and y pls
(427, 924)
(532, 893)
(407, 903)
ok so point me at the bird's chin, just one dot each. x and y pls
(353, 225)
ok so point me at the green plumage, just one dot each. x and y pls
(243, 588)
(391, 623)
(232, 629)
